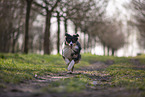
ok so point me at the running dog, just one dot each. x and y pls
(71, 51)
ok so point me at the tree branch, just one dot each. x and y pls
(39, 5)
(55, 5)
(41, 13)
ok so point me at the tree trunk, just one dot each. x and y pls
(113, 51)
(88, 46)
(58, 32)
(91, 46)
(108, 50)
(76, 29)
(15, 40)
(47, 33)
(28, 9)
(7, 42)
(84, 41)
(65, 25)
(31, 45)
(13, 44)
(104, 48)
(40, 44)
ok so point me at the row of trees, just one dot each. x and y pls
(88, 17)
(139, 7)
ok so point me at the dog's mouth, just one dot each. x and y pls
(71, 45)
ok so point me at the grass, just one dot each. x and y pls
(17, 68)
(67, 85)
(125, 74)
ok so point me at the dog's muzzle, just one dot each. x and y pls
(71, 44)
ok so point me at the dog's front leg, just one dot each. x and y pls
(71, 64)
(67, 61)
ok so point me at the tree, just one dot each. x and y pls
(58, 32)
(77, 12)
(114, 38)
(11, 23)
(93, 21)
(28, 10)
(48, 7)
(139, 9)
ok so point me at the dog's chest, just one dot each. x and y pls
(67, 51)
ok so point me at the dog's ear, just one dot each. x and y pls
(76, 35)
(66, 34)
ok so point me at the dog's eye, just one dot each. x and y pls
(68, 40)
(73, 40)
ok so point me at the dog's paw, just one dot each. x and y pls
(69, 72)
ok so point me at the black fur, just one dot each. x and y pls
(70, 41)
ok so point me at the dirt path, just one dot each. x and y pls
(33, 88)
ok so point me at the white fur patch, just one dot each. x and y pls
(71, 65)
(67, 61)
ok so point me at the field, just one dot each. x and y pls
(35, 75)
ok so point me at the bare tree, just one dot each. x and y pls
(139, 9)
(78, 12)
(28, 10)
(58, 32)
(48, 7)
(11, 23)
(114, 38)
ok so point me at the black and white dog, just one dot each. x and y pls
(71, 51)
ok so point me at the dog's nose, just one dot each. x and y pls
(71, 44)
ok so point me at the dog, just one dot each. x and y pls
(71, 51)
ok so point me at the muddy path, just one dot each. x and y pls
(101, 85)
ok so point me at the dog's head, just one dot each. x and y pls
(71, 39)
